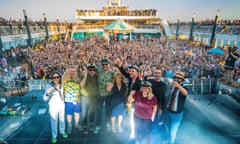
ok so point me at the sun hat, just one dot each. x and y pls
(179, 74)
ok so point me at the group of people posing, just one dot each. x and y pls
(81, 97)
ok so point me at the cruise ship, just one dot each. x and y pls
(117, 20)
(137, 23)
(143, 22)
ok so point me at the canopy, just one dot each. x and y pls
(216, 51)
(118, 26)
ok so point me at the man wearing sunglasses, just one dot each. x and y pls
(105, 77)
(89, 91)
(175, 106)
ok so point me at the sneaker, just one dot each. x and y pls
(54, 140)
(69, 130)
(85, 130)
(79, 127)
(96, 130)
(91, 127)
(65, 135)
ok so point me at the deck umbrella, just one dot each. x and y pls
(217, 51)
(118, 26)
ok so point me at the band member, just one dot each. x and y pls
(53, 94)
(145, 111)
(72, 98)
(175, 106)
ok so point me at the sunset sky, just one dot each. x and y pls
(169, 9)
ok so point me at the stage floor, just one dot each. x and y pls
(197, 126)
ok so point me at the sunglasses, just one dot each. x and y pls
(176, 78)
(56, 77)
(91, 69)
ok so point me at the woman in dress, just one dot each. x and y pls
(118, 99)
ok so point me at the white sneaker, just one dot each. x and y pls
(96, 129)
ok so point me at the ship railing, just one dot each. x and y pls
(196, 85)
(37, 84)
(200, 85)
(16, 30)
(113, 11)
(232, 30)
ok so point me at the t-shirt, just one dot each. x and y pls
(72, 91)
(144, 106)
(103, 78)
(159, 90)
(91, 86)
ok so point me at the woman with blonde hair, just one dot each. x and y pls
(118, 99)
(145, 111)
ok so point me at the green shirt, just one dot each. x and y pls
(91, 86)
(103, 78)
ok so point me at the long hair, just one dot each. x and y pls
(122, 81)
(116, 75)
(149, 93)
(56, 72)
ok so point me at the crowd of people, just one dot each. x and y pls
(89, 75)
(147, 54)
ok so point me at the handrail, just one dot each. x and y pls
(37, 84)
(202, 85)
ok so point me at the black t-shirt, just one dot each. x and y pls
(159, 90)
(230, 61)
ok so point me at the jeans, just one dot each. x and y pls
(86, 111)
(103, 102)
(142, 129)
(174, 121)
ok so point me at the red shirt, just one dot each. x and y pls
(144, 106)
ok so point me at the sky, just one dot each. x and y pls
(167, 9)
